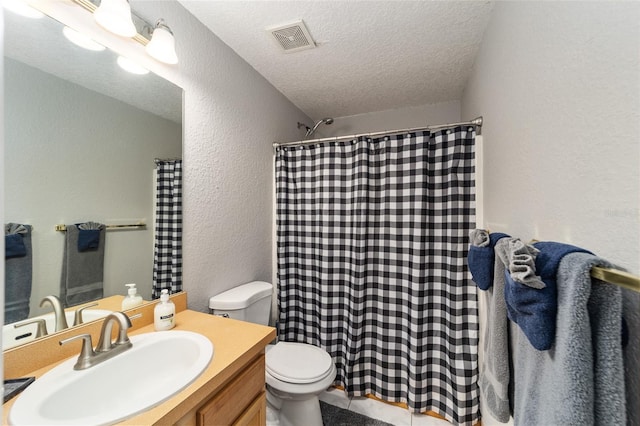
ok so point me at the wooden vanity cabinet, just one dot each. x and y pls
(240, 402)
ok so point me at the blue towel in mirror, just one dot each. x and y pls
(88, 239)
(14, 246)
(89, 235)
(18, 275)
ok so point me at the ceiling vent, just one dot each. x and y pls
(292, 37)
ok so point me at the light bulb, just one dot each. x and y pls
(162, 45)
(81, 40)
(130, 66)
(115, 16)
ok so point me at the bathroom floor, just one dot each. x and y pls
(379, 410)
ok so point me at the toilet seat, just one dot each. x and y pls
(298, 363)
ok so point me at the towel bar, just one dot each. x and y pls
(614, 276)
(63, 228)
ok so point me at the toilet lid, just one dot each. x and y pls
(298, 362)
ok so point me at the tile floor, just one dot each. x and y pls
(379, 410)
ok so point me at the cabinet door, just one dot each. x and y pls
(235, 398)
(256, 414)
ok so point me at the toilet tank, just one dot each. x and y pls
(248, 302)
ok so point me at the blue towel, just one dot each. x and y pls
(535, 309)
(14, 246)
(18, 276)
(88, 239)
(481, 260)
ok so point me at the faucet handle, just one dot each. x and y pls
(42, 326)
(77, 320)
(125, 324)
(86, 353)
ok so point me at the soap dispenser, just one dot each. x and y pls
(132, 299)
(164, 314)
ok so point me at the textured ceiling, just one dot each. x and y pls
(371, 55)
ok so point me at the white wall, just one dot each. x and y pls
(400, 118)
(558, 84)
(232, 115)
(74, 155)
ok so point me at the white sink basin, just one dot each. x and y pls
(12, 336)
(158, 366)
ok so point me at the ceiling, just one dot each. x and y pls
(370, 55)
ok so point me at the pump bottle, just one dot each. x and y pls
(132, 299)
(164, 314)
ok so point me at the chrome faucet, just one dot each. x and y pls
(58, 311)
(77, 319)
(106, 348)
(40, 331)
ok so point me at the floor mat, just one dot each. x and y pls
(336, 416)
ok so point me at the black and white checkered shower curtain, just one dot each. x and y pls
(167, 257)
(372, 248)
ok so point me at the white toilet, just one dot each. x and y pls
(296, 373)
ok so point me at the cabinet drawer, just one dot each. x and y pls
(235, 398)
(256, 414)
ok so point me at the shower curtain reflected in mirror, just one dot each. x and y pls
(372, 247)
(167, 258)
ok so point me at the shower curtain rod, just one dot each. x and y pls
(477, 122)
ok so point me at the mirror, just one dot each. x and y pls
(81, 136)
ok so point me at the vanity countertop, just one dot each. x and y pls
(236, 343)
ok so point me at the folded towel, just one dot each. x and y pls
(495, 373)
(14, 246)
(550, 256)
(522, 264)
(530, 303)
(82, 271)
(13, 240)
(89, 235)
(481, 256)
(18, 275)
(580, 381)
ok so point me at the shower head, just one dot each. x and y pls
(326, 121)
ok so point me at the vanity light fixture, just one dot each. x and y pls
(21, 8)
(162, 45)
(130, 66)
(115, 16)
(82, 40)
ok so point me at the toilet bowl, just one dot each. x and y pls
(296, 373)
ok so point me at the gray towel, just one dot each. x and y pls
(18, 277)
(580, 380)
(82, 272)
(495, 376)
(631, 313)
